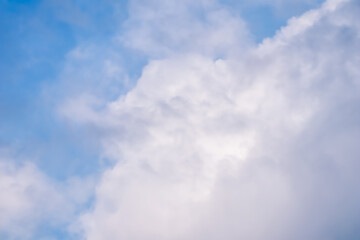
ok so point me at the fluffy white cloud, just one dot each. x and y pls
(258, 145)
(30, 201)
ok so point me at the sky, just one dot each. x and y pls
(179, 120)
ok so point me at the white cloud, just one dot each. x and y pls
(160, 28)
(259, 144)
(30, 200)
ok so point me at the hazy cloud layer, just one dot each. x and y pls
(160, 28)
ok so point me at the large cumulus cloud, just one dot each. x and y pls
(259, 144)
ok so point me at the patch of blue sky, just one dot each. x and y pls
(33, 45)
(264, 18)
(49, 232)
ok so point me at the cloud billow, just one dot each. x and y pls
(256, 145)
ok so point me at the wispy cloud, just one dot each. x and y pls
(31, 202)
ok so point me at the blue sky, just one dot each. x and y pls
(99, 102)
(35, 38)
